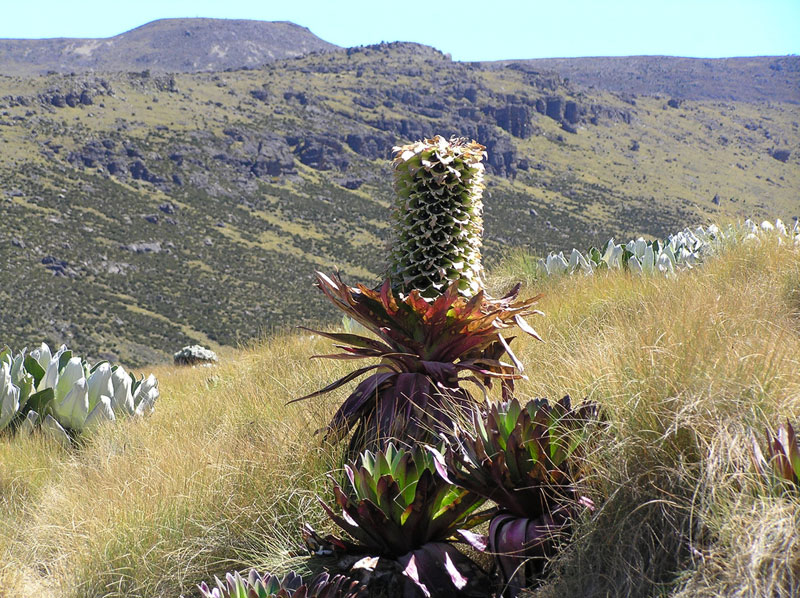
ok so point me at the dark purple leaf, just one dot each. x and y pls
(351, 339)
(340, 382)
(440, 569)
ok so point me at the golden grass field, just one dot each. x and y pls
(223, 474)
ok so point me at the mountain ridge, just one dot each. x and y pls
(164, 45)
(742, 78)
(208, 45)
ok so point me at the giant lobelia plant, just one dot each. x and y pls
(526, 459)
(427, 351)
(403, 519)
(434, 326)
(437, 219)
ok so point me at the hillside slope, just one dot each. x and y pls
(165, 45)
(142, 212)
(223, 474)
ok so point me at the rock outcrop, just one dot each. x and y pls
(195, 355)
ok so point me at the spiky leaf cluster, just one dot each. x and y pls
(16, 385)
(525, 460)
(395, 502)
(291, 585)
(438, 216)
(404, 517)
(685, 249)
(424, 348)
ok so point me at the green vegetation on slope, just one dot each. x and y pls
(223, 474)
(141, 213)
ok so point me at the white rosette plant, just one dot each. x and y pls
(683, 250)
(65, 395)
(16, 385)
(9, 396)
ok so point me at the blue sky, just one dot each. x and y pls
(468, 30)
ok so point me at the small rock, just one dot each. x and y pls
(143, 247)
(568, 127)
(781, 155)
(72, 99)
(351, 183)
(194, 355)
(260, 94)
(58, 267)
(514, 118)
(554, 107)
(571, 112)
(140, 172)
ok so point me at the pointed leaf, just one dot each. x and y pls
(34, 369)
(336, 384)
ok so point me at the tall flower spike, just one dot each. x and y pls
(438, 217)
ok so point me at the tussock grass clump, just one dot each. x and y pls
(223, 474)
(682, 367)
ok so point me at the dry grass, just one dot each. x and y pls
(214, 479)
(682, 368)
(223, 473)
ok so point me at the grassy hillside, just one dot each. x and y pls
(146, 211)
(223, 474)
